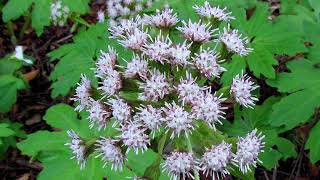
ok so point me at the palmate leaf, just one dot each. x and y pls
(313, 143)
(48, 147)
(40, 16)
(303, 84)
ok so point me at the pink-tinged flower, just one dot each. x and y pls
(196, 32)
(126, 27)
(83, 93)
(163, 19)
(135, 41)
(234, 41)
(59, 13)
(216, 159)
(248, 149)
(137, 66)
(188, 90)
(78, 148)
(178, 120)
(208, 108)
(98, 115)
(207, 63)
(180, 165)
(179, 54)
(105, 62)
(213, 12)
(111, 83)
(155, 87)
(121, 111)
(134, 137)
(109, 152)
(158, 49)
(241, 90)
(150, 117)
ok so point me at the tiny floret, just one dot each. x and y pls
(180, 165)
(163, 19)
(155, 87)
(150, 117)
(216, 159)
(83, 93)
(248, 149)
(98, 115)
(121, 111)
(126, 27)
(159, 49)
(188, 90)
(137, 66)
(111, 82)
(105, 62)
(234, 41)
(179, 54)
(178, 120)
(213, 12)
(135, 41)
(208, 108)
(134, 137)
(59, 13)
(100, 16)
(196, 32)
(241, 90)
(77, 145)
(109, 152)
(207, 63)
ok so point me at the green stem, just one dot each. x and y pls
(13, 36)
(162, 142)
(80, 21)
(25, 26)
(195, 172)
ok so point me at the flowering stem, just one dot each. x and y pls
(25, 26)
(162, 142)
(195, 172)
(13, 37)
(80, 21)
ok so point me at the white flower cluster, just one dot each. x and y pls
(78, 148)
(59, 13)
(119, 10)
(151, 94)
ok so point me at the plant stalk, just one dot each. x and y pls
(195, 172)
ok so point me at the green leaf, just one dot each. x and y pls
(9, 66)
(78, 6)
(41, 15)
(9, 85)
(313, 143)
(303, 83)
(270, 158)
(5, 130)
(140, 162)
(14, 9)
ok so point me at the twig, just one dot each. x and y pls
(64, 38)
(266, 175)
(274, 174)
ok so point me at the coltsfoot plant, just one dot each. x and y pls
(165, 96)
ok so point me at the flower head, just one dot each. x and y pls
(105, 62)
(248, 149)
(241, 89)
(135, 40)
(137, 66)
(134, 137)
(163, 19)
(111, 83)
(213, 12)
(126, 27)
(234, 41)
(83, 93)
(154, 88)
(216, 159)
(179, 164)
(121, 111)
(179, 54)
(110, 153)
(196, 32)
(98, 115)
(188, 90)
(207, 63)
(208, 108)
(59, 13)
(159, 49)
(178, 119)
(78, 148)
(150, 117)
